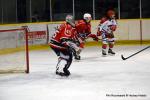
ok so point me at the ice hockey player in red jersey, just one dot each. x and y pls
(83, 28)
(62, 43)
(106, 28)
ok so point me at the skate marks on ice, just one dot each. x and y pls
(84, 73)
(94, 54)
(20, 79)
(89, 58)
(99, 58)
(91, 78)
(72, 76)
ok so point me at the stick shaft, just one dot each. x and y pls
(137, 52)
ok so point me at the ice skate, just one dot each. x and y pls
(66, 71)
(111, 52)
(77, 57)
(63, 73)
(104, 54)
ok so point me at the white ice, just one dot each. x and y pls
(93, 78)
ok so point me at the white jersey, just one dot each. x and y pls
(105, 27)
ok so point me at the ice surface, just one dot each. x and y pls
(13, 61)
(92, 78)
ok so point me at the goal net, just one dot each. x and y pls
(14, 51)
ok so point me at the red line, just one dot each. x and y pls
(10, 30)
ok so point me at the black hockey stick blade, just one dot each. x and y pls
(123, 58)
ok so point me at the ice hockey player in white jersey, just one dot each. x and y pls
(106, 28)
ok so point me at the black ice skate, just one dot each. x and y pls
(111, 52)
(65, 73)
(62, 74)
(77, 57)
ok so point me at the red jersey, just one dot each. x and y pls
(83, 28)
(84, 31)
(64, 33)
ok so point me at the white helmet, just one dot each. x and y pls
(87, 17)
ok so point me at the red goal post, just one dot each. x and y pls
(14, 51)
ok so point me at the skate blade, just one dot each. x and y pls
(111, 54)
(60, 77)
(104, 55)
(75, 60)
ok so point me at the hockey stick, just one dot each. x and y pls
(123, 58)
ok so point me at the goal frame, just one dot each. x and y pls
(26, 45)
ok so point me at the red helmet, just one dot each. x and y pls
(111, 13)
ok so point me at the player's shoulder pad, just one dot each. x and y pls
(62, 25)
